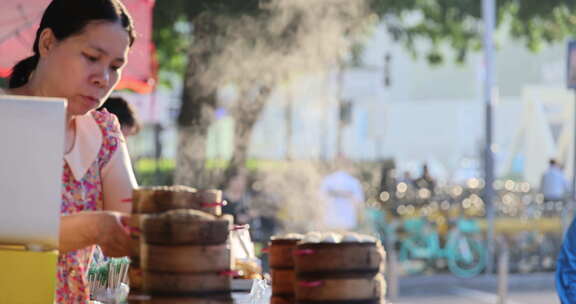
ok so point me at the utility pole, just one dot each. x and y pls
(340, 124)
(489, 16)
(288, 122)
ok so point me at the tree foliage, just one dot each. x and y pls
(173, 25)
(458, 23)
(453, 23)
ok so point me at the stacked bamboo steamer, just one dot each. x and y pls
(335, 268)
(281, 262)
(182, 245)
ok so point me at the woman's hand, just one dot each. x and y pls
(104, 228)
(112, 233)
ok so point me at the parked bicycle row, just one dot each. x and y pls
(444, 229)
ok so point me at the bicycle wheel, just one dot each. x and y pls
(467, 257)
(413, 256)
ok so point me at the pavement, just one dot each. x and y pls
(447, 289)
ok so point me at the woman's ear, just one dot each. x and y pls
(46, 41)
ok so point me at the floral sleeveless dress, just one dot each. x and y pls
(80, 195)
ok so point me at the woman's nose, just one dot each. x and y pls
(101, 78)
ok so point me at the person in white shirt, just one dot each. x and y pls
(343, 195)
(554, 185)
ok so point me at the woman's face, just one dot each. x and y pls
(83, 68)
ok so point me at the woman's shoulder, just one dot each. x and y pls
(111, 135)
(109, 128)
(108, 122)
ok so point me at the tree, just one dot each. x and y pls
(255, 54)
(194, 37)
(178, 25)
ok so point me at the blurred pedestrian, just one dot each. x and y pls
(343, 195)
(425, 180)
(554, 185)
(236, 195)
(387, 176)
(407, 179)
(126, 114)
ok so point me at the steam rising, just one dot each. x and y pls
(291, 37)
(271, 50)
(297, 186)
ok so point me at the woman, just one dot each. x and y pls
(79, 52)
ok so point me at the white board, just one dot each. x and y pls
(31, 164)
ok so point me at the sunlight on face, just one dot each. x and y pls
(84, 68)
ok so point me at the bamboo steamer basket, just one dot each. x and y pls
(135, 233)
(339, 257)
(188, 258)
(210, 201)
(152, 200)
(282, 300)
(182, 300)
(283, 281)
(186, 284)
(185, 300)
(281, 253)
(136, 278)
(373, 301)
(135, 251)
(134, 224)
(339, 288)
(161, 199)
(181, 227)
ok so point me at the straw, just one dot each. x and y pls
(105, 278)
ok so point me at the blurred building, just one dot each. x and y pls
(416, 113)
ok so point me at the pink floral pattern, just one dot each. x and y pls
(84, 195)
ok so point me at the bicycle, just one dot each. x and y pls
(463, 250)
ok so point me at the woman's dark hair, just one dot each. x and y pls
(68, 18)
